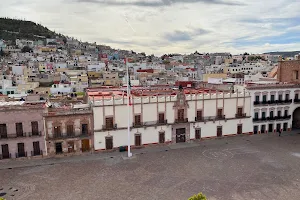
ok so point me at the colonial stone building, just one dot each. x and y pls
(164, 115)
(69, 129)
(21, 129)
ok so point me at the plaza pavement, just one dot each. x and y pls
(243, 167)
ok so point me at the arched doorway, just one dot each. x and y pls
(296, 118)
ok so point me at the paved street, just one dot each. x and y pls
(247, 167)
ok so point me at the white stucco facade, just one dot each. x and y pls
(273, 107)
(150, 109)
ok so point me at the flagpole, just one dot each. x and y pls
(128, 110)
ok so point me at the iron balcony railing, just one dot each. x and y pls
(181, 120)
(68, 135)
(14, 135)
(104, 127)
(33, 134)
(240, 115)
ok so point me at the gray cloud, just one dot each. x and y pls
(161, 3)
(178, 36)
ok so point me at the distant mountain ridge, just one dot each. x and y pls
(284, 53)
(12, 29)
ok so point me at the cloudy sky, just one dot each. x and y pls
(170, 26)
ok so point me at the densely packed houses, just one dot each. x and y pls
(68, 97)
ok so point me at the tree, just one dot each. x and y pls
(26, 49)
(199, 196)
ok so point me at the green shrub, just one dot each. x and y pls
(199, 196)
(2, 198)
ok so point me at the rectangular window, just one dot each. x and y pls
(181, 114)
(3, 131)
(256, 115)
(287, 96)
(137, 120)
(272, 98)
(199, 114)
(295, 75)
(286, 113)
(271, 114)
(161, 118)
(297, 96)
(57, 131)
(35, 128)
(280, 97)
(240, 112)
(220, 113)
(257, 98)
(264, 98)
(70, 130)
(263, 115)
(19, 129)
(278, 113)
(109, 122)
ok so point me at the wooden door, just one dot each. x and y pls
(278, 127)
(85, 145)
(240, 129)
(198, 134)
(70, 130)
(180, 114)
(21, 150)
(285, 126)
(58, 148)
(137, 140)
(180, 135)
(35, 128)
(5, 151)
(109, 143)
(19, 129)
(57, 131)
(162, 137)
(219, 132)
(36, 148)
(270, 128)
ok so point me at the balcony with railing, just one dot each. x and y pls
(137, 124)
(34, 134)
(297, 101)
(240, 115)
(181, 120)
(273, 102)
(109, 127)
(199, 119)
(68, 135)
(14, 135)
(214, 118)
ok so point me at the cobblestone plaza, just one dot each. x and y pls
(247, 167)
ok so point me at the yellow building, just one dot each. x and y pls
(48, 49)
(219, 75)
(94, 74)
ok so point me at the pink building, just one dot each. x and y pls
(21, 129)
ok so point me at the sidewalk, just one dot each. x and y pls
(12, 164)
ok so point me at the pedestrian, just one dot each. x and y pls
(279, 132)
